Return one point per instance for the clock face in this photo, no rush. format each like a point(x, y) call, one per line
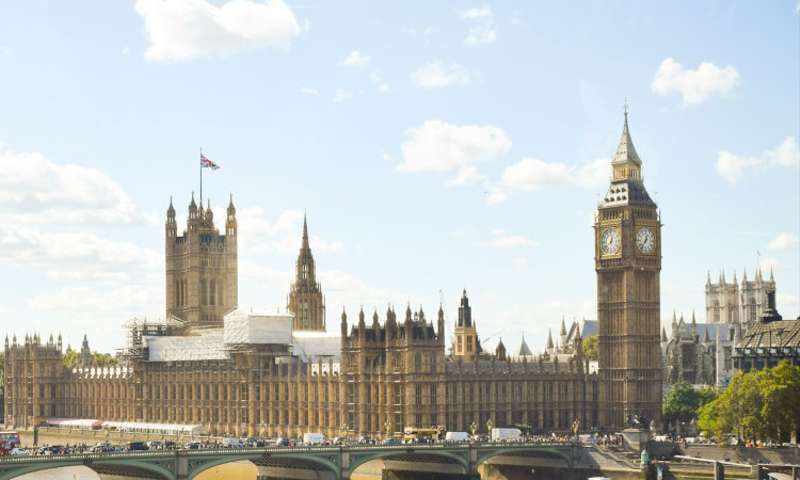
point(609, 241)
point(646, 240)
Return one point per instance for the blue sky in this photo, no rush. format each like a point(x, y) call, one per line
point(435, 146)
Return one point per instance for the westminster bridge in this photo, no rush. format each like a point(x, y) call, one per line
point(323, 462)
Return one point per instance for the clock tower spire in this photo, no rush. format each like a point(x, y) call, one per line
point(628, 265)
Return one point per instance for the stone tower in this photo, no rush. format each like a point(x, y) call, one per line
point(754, 297)
point(86, 353)
point(466, 341)
point(628, 264)
point(737, 304)
point(34, 381)
point(306, 302)
point(201, 268)
point(722, 300)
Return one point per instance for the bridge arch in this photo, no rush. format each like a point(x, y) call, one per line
point(552, 453)
point(121, 465)
point(399, 453)
point(259, 457)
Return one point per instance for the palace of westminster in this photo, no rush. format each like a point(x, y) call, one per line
point(236, 372)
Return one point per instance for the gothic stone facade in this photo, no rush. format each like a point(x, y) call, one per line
point(389, 374)
point(628, 265)
point(740, 305)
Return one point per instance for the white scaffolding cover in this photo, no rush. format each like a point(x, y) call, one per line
point(256, 328)
point(207, 346)
point(312, 345)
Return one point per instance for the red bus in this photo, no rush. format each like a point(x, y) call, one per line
point(8, 441)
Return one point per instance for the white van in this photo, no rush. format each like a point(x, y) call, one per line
point(456, 437)
point(232, 442)
point(313, 438)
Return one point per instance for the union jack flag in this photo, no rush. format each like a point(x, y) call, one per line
point(206, 163)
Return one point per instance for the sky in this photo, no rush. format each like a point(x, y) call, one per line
point(434, 146)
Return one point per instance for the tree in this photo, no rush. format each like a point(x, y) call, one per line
point(72, 359)
point(683, 402)
point(758, 405)
point(590, 348)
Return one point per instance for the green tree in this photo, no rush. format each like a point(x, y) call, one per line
point(72, 359)
point(759, 405)
point(683, 402)
point(590, 349)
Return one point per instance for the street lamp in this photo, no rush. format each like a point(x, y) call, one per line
point(387, 426)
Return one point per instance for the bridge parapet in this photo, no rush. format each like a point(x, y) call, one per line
point(341, 462)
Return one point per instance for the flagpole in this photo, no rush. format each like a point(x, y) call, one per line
point(201, 176)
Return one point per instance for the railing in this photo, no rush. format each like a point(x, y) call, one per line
point(263, 450)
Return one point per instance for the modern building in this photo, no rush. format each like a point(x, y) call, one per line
point(235, 372)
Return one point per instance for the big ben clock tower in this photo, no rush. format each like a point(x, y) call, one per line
point(628, 263)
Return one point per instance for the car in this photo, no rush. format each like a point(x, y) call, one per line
point(19, 452)
point(390, 441)
point(281, 442)
point(193, 445)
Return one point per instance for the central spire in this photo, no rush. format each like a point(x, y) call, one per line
point(626, 153)
point(305, 233)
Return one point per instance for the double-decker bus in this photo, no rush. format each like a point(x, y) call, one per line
point(8, 441)
point(427, 435)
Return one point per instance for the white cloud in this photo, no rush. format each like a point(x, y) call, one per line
point(465, 176)
point(257, 234)
point(379, 82)
point(438, 146)
point(342, 95)
point(36, 190)
point(438, 75)
point(783, 241)
point(482, 26)
point(731, 166)
point(309, 91)
point(134, 299)
point(6, 51)
point(75, 255)
point(695, 86)
point(355, 59)
point(531, 174)
point(187, 29)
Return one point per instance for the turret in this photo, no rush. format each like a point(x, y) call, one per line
point(209, 216)
point(230, 221)
point(344, 324)
point(664, 338)
point(361, 323)
point(500, 351)
point(464, 311)
point(86, 353)
point(193, 219)
point(171, 226)
point(440, 324)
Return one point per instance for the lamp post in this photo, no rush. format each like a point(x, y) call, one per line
point(387, 426)
point(576, 427)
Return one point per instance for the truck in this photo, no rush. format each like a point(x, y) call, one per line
point(313, 438)
point(506, 434)
point(456, 437)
